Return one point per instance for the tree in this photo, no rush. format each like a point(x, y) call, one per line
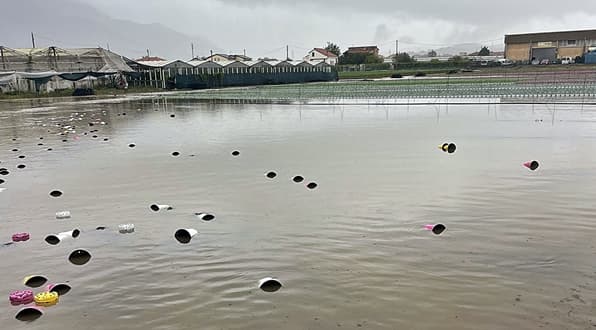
point(403, 58)
point(458, 60)
point(484, 51)
point(432, 53)
point(333, 48)
point(370, 59)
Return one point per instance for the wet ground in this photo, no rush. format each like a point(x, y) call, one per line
point(518, 252)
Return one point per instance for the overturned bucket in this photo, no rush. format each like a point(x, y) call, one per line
point(184, 236)
point(437, 229)
point(29, 314)
point(55, 239)
point(269, 284)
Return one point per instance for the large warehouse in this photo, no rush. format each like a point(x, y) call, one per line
point(548, 45)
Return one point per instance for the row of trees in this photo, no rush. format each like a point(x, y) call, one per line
point(404, 57)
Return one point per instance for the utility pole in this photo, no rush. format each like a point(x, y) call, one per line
point(244, 51)
point(211, 57)
point(147, 52)
point(287, 53)
point(33, 39)
point(4, 64)
point(396, 54)
point(192, 50)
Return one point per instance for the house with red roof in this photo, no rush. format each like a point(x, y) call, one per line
point(321, 54)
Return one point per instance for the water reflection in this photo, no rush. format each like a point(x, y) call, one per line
point(518, 252)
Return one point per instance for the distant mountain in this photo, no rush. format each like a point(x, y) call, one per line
point(465, 48)
point(68, 24)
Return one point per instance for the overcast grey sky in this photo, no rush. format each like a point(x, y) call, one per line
point(261, 26)
point(264, 27)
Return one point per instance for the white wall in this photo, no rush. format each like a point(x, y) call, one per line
point(320, 57)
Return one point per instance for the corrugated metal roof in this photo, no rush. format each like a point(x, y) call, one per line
point(67, 60)
point(550, 36)
point(161, 64)
point(234, 64)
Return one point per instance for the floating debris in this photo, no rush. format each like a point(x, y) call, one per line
point(4, 172)
point(132, 145)
point(235, 153)
point(2, 181)
point(298, 179)
point(79, 257)
point(126, 228)
point(205, 216)
point(21, 157)
point(20, 237)
point(100, 228)
point(21, 166)
point(55, 239)
point(21, 297)
point(172, 116)
point(532, 165)
point(46, 299)
point(60, 288)
point(158, 208)
point(35, 281)
point(50, 149)
point(448, 147)
point(312, 185)
point(437, 229)
point(269, 284)
point(184, 236)
point(63, 215)
point(271, 175)
point(56, 193)
point(29, 314)
point(175, 154)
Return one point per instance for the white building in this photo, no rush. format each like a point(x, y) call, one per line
point(320, 54)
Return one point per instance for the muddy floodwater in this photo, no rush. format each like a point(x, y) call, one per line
point(351, 250)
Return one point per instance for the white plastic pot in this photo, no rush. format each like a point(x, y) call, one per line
point(159, 208)
point(184, 236)
point(269, 284)
point(55, 239)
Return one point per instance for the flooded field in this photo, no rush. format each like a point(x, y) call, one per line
point(518, 251)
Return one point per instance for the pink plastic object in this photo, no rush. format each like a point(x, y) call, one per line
point(20, 237)
point(21, 297)
point(437, 229)
point(532, 165)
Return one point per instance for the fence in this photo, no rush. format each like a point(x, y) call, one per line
point(522, 88)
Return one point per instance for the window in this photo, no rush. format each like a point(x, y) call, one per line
point(313, 54)
point(571, 42)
